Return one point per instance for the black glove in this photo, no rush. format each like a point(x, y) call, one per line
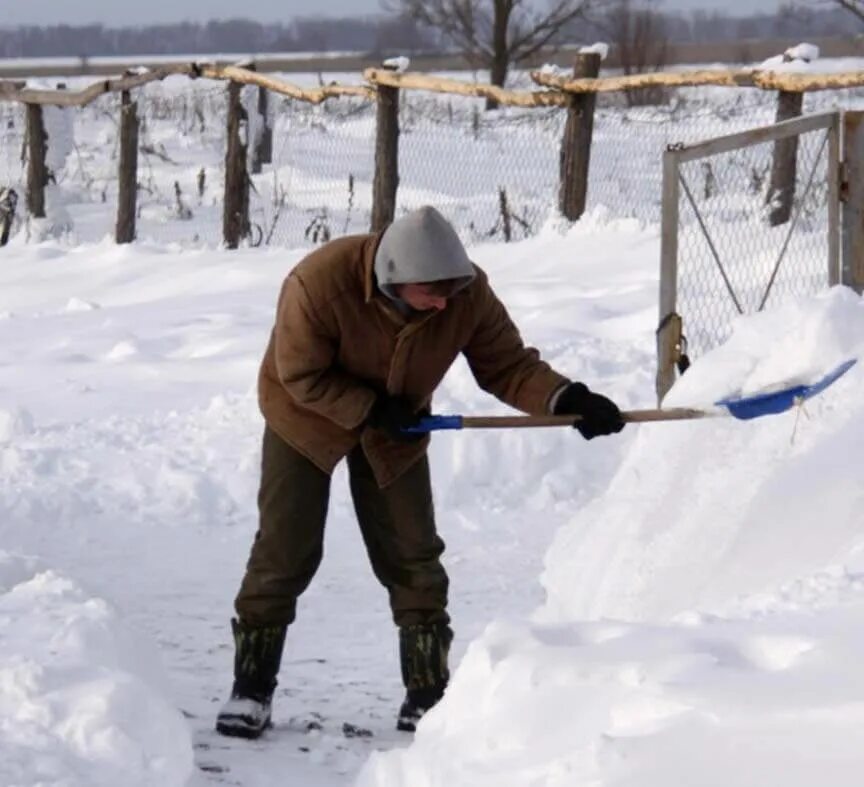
point(599, 414)
point(392, 414)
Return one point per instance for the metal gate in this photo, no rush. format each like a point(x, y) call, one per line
point(749, 220)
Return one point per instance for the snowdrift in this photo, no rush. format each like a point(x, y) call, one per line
point(702, 512)
point(81, 701)
point(703, 614)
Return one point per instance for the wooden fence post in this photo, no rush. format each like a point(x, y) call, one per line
point(8, 206)
point(504, 210)
point(127, 177)
point(781, 191)
point(669, 323)
point(852, 190)
point(263, 153)
point(386, 180)
point(235, 212)
point(576, 143)
point(37, 171)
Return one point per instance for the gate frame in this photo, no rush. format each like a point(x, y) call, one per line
point(670, 349)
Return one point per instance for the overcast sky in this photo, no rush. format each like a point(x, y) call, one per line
point(114, 13)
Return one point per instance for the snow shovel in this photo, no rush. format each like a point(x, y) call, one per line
point(743, 408)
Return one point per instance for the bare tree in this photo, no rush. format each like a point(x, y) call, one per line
point(807, 11)
point(494, 34)
point(638, 32)
point(854, 6)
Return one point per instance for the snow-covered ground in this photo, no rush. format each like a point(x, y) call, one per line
point(679, 604)
point(703, 617)
point(129, 451)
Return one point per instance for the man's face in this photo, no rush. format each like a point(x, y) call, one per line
point(421, 297)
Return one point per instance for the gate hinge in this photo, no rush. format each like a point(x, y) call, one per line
point(843, 184)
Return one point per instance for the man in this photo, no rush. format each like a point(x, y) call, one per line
point(366, 328)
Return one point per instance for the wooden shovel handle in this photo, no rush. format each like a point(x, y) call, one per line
point(630, 416)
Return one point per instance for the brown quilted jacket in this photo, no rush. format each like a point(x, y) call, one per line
point(338, 342)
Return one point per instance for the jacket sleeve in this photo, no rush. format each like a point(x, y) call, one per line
point(305, 355)
point(503, 365)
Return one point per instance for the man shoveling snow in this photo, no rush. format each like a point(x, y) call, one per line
point(366, 328)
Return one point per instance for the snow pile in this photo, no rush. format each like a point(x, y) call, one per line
point(708, 522)
point(709, 702)
point(78, 305)
point(796, 59)
point(80, 701)
point(704, 614)
point(14, 423)
point(598, 48)
point(552, 70)
point(399, 64)
point(807, 52)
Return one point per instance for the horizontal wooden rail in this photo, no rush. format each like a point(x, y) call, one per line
point(766, 80)
point(554, 96)
point(515, 98)
point(16, 91)
point(310, 95)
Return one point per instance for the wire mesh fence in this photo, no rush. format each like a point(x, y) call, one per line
point(319, 184)
point(181, 171)
point(494, 174)
point(738, 251)
point(12, 136)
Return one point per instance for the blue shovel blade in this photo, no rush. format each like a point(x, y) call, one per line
point(747, 407)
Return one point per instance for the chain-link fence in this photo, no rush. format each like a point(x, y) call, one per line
point(12, 123)
point(494, 174)
point(749, 220)
point(731, 260)
point(319, 184)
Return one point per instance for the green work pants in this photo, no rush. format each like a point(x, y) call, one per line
point(397, 524)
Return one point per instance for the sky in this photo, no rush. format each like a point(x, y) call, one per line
point(112, 13)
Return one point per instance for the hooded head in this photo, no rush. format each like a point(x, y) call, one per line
point(421, 248)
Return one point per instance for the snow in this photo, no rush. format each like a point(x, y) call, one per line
point(551, 69)
point(688, 607)
point(599, 48)
point(80, 696)
point(61, 136)
point(679, 604)
point(399, 64)
point(797, 59)
point(806, 52)
point(15, 423)
point(702, 614)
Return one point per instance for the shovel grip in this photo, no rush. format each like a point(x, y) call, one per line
point(436, 423)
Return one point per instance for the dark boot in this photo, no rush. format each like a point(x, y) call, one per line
point(423, 653)
point(257, 655)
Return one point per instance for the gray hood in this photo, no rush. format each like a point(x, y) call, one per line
point(420, 247)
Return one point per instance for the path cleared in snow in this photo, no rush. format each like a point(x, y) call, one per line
point(129, 448)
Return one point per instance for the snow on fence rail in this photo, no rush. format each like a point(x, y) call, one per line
point(370, 176)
